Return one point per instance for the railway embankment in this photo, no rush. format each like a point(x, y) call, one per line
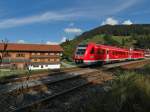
point(128, 92)
point(118, 89)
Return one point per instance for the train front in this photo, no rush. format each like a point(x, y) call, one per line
point(79, 54)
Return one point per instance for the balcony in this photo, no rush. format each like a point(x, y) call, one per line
point(8, 60)
point(44, 56)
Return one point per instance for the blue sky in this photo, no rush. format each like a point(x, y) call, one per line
point(53, 21)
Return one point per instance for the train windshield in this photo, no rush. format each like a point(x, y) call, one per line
point(81, 49)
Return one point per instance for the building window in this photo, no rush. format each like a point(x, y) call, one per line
point(20, 55)
point(33, 53)
point(57, 60)
point(51, 53)
point(58, 54)
point(42, 54)
point(6, 54)
point(52, 60)
point(34, 59)
point(42, 60)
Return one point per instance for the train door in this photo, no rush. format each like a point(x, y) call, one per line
point(130, 53)
point(98, 54)
point(107, 55)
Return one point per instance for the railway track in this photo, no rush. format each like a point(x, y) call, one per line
point(53, 90)
point(24, 97)
point(23, 83)
point(40, 75)
point(16, 86)
point(133, 62)
point(61, 71)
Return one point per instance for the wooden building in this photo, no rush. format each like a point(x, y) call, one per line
point(31, 56)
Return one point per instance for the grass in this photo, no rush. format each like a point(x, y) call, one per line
point(69, 62)
point(130, 92)
point(8, 73)
point(117, 39)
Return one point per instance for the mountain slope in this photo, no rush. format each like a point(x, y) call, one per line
point(118, 30)
point(137, 35)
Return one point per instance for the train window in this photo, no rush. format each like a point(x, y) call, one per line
point(118, 53)
point(80, 51)
point(103, 51)
point(100, 51)
point(114, 53)
point(92, 51)
point(110, 52)
point(107, 52)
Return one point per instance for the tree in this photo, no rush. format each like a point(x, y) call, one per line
point(5, 44)
point(108, 40)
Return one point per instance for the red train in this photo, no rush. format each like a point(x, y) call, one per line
point(96, 53)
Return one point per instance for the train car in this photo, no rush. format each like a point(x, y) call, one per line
point(96, 53)
point(147, 53)
point(137, 54)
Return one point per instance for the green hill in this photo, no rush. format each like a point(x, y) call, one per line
point(137, 36)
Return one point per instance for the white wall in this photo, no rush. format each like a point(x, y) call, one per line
point(52, 66)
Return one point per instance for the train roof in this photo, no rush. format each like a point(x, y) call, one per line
point(137, 51)
point(111, 47)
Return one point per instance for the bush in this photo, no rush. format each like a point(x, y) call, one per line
point(130, 93)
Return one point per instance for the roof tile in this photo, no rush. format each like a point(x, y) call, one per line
point(30, 47)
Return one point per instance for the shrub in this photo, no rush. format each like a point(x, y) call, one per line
point(130, 93)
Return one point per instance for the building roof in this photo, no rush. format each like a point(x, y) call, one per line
point(30, 47)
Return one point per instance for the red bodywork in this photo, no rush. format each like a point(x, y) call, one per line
point(94, 53)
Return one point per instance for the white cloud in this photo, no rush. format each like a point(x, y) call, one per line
point(51, 43)
point(48, 16)
point(73, 30)
point(127, 22)
point(21, 41)
point(56, 43)
point(83, 10)
point(63, 39)
point(110, 21)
